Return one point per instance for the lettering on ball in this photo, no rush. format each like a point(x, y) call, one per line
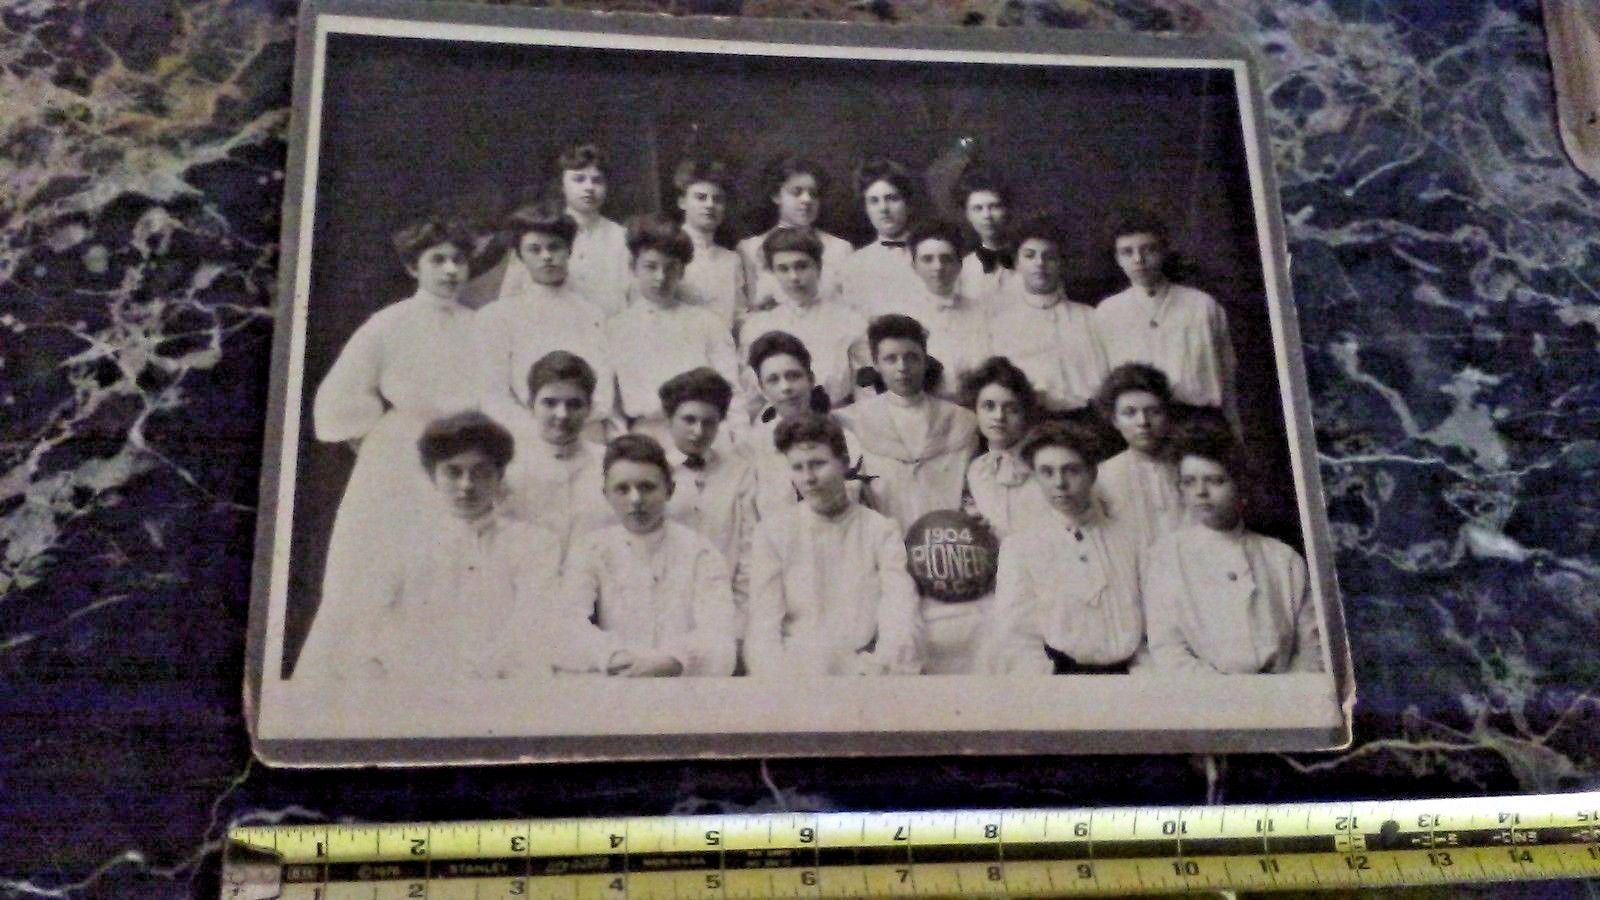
point(952, 563)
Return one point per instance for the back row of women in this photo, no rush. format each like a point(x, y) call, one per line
point(652, 337)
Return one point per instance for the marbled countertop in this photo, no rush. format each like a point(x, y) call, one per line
point(1446, 264)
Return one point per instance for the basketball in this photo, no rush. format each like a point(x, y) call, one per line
point(953, 556)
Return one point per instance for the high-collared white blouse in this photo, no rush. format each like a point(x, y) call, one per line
point(913, 473)
point(1142, 491)
point(1229, 601)
point(561, 489)
point(663, 592)
point(421, 354)
point(718, 501)
point(1181, 331)
point(651, 343)
point(454, 600)
point(714, 280)
point(517, 331)
point(823, 589)
point(1053, 340)
point(1072, 585)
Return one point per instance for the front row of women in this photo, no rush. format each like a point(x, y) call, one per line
point(536, 557)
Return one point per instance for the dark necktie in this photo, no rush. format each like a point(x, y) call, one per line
point(694, 462)
point(894, 245)
point(992, 258)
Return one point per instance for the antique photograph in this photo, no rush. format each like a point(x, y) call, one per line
point(653, 388)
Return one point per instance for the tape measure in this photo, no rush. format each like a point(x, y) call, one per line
point(998, 853)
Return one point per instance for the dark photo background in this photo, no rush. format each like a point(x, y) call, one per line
point(413, 127)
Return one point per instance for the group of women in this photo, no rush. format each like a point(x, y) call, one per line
point(1006, 352)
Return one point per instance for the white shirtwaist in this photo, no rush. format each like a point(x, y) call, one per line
point(517, 331)
point(601, 267)
point(410, 363)
point(878, 278)
point(1142, 491)
point(913, 474)
point(718, 502)
point(1071, 585)
point(774, 488)
point(1002, 491)
point(958, 331)
point(918, 454)
point(1052, 340)
point(1000, 488)
point(714, 280)
point(824, 589)
point(763, 285)
point(1181, 331)
point(563, 493)
point(663, 592)
point(828, 329)
point(454, 601)
point(1231, 602)
point(651, 344)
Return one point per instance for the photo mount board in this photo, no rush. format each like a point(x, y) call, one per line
point(427, 723)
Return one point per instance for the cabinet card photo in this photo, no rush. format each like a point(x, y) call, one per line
point(649, 387)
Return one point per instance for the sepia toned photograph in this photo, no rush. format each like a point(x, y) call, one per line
point(647, 388)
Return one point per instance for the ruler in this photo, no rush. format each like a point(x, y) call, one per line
point(993, 853)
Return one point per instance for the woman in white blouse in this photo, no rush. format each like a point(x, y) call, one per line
point(714, 280)
point(1140, 484)
point(647, 597)
point(549, 313)
point(658, 335)
point(1182, 331)
point(467, 593)
point(1067, 593)
point(408, 364)
point(555, 481)
point(1221, 598)
point(998, 484)
point(795, 187)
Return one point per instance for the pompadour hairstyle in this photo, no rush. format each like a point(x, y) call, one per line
point(637, 448)
point(778, 343)
point(1074, 435)
point(410, 241)
point(581, 156)
point(691, 172)
point(463, 431)
point(1204, 432)
point(812, 428)
point(791, 240)
point(542, 218)
point(1140, 221)
point(703, 384)
point(1002, 371)
point(1131, 377)
point(559, 365)
point(653, 231)
point(875, 169)
point(979, 178)
point(784, 168)
point(895, 326)
point(935, 231)
point(1043, 228)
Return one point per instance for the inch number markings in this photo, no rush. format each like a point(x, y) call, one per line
point(1002, 852)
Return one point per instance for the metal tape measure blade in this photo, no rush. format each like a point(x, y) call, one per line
point(1071, 852)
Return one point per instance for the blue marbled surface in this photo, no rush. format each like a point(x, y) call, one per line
point(1446, 264)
